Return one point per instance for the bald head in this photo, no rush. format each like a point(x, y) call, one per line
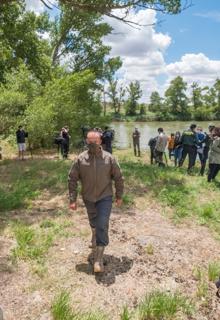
point(93, 137)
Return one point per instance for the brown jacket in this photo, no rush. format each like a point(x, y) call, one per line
point(95, 171)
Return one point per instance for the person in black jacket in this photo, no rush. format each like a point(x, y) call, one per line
point(189, 142)
point(65, 142)
point(107, 138)
point(20, 137)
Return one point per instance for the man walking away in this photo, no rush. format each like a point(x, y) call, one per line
point(189, 141)
point(214, 156)
point(20, 137)
point(136, 142)
point(160, 147)
point(96, 168)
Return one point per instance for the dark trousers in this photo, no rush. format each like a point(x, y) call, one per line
point(99, 214)
point(64, 149)
point(152, 155)
point(203, 159)
point(159, 158)
point(137, 148)
point(191, 151)
point(214, 168)
point(177, 155)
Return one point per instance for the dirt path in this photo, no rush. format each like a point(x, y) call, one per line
point(130, 273)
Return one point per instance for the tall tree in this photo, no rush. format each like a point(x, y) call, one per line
point(217, 90)
point(21, 40)
point(79, 34)
point(107, 7)
point(196, 96)
point(116, 94)
point(155, 104)
point(134, 94)
point(176, 98)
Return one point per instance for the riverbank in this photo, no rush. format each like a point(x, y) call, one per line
point(164, 244)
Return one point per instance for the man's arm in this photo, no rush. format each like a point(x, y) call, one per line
point(73, 179)
point(118, 178)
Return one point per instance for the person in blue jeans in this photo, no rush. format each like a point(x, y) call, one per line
point(96, 168)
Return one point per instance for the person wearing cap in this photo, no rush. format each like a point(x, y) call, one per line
point(136, 142)
point(189, 141)
point(96, 168)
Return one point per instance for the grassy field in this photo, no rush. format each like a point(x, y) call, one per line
point(180, 196)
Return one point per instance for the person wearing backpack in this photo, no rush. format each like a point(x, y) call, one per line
point(107, 138)
point(152, 144)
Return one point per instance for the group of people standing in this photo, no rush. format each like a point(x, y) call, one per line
point(192, 142)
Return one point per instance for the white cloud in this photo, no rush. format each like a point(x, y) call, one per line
point(195, 67)
point(141, 49)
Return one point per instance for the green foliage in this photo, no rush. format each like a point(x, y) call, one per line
point(12, 107)
point(155, 104)
point(20, 40)
point(20, 88)
point(135, 93)
point(176, 98)
point(66, 101)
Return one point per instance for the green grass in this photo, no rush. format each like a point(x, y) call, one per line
point(213, 270)
point(162, 305)
point(24, 181)
point(31, 243)
point(155, 306)
point(159, 305)
point(126, 314)
point(187, 196)
point(34, 242)
point(62, 310)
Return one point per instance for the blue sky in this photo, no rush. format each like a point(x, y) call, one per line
point(185, 45)
point(196, 29)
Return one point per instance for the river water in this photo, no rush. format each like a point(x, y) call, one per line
point(123, 130)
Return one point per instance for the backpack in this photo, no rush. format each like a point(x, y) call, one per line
point(152, 143)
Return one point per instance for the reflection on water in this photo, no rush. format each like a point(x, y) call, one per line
point(123, 130)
